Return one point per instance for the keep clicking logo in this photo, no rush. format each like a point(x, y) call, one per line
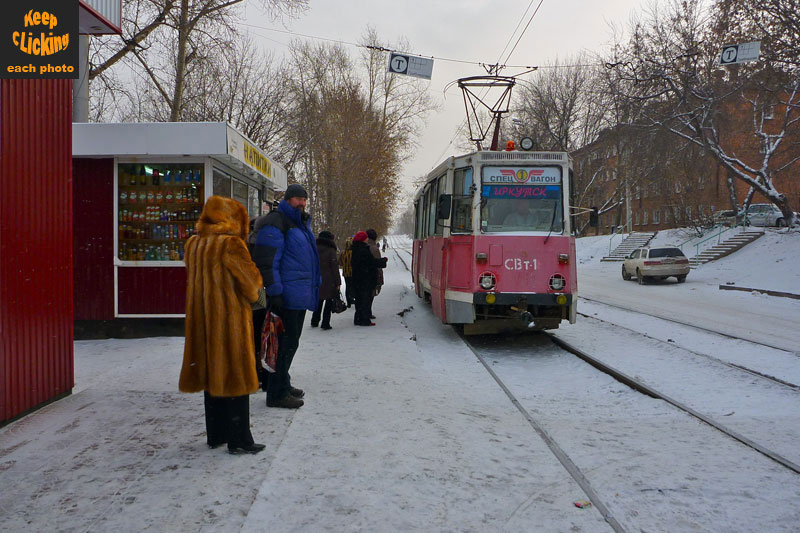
point(38, 39)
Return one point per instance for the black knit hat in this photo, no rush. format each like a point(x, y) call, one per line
point(326, 235)
point(372, 234)
point(295, 190)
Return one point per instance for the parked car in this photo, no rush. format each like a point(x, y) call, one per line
point(657, 263)
point(728, 217)
point(765, 215)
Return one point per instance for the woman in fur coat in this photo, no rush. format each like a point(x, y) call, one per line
point(331, 280)
point(222, 282)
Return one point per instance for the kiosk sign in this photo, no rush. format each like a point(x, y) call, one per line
point(39, 39)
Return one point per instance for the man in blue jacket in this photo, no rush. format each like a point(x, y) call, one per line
point(285, 252)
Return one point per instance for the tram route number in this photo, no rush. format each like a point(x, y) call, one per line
point(515, 263)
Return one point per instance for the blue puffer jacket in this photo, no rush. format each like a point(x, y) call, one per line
point(285, 252)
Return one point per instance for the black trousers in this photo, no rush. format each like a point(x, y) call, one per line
point(364, 297)
point(324, 308)
point(227, 420)
point(258, 323)
point(279, 382)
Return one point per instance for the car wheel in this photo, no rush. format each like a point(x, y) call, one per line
point(625, 275)
point(681, 279)
point(639, 277)
point(780, 223)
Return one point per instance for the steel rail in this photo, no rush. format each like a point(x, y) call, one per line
point(750, 371)
point(653, 393)
point(560, 454)
point(695, 326)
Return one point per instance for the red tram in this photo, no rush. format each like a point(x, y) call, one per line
point(493, 247)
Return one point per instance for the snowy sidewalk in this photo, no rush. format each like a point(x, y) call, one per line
point(395, 435)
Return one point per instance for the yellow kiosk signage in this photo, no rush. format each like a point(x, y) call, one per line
point(257, 160)
point(39, 39)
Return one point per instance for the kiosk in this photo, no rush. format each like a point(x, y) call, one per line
point(138, 192)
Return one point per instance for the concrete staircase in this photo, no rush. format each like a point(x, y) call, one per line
point(726, 247)
point(630, 243)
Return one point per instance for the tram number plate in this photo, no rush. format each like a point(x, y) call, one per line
point(520, 264)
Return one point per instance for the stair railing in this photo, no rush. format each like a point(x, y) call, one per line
point(619, 231)
point(715, 235)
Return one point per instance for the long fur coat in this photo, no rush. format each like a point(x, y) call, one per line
point(222, 281)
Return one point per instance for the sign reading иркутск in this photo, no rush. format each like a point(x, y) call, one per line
point(39, 39)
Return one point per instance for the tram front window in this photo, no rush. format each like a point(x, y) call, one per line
point(502, 213)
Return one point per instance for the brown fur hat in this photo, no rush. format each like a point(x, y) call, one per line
point(223, 216)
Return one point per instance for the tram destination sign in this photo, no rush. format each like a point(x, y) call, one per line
point(740, 53)
point(522, 175)
point(419, 67)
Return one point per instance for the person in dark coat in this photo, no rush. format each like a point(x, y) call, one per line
point(372, 241)
point(286, 254)
point(365, 278)
point(331, 280)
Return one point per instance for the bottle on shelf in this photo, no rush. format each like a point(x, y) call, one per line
point(156, 177)
point(178, 178)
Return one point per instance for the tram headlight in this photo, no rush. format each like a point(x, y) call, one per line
point(557, 282)
point(487, 281)
point(491, 298)
point(561, 299)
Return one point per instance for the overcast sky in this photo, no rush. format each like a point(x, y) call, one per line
point(470, 30)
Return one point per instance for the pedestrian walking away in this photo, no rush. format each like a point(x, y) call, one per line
point(222, 282)
point(331, 280)
point(365, 278)
point(285, 252)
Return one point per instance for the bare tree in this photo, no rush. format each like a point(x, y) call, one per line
point(164, 39)
point(670, 66)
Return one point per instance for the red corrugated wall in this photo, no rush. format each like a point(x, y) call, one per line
point(36, 351)
point(93, 208)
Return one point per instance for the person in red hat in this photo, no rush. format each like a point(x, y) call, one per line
point(365, 277)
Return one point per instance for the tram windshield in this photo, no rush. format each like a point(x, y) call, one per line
point(521, 199)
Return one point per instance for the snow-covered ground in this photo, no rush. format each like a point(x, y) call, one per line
point(403, 428)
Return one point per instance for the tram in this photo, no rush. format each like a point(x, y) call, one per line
point(493, 249)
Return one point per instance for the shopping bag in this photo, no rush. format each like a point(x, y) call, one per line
point(261, 303)
point(339, 306)
point(273, 326)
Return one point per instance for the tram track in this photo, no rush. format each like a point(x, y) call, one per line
point(742, 368)
point(579, 474)
point(571, 448)
point(688, 324)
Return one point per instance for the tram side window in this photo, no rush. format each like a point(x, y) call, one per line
point(432, 201)
point(440, 189)
point(462, 201)
point(425, 208)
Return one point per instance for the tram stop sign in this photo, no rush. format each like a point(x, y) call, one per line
point(419, 67)
point(740, 53)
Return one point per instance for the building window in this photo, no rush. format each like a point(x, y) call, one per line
point(656, 216)
point(636, 218)
point(769, 112)
point(644, 217)
point(678, 187)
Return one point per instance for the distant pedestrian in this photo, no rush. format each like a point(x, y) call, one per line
point(331, 280)
point(385, 245)
point(345, 263)
point(365, 278)
point(286, 254)
point(218, 352)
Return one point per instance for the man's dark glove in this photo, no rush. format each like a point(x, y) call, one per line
point(383, 262)
point(276, 304)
